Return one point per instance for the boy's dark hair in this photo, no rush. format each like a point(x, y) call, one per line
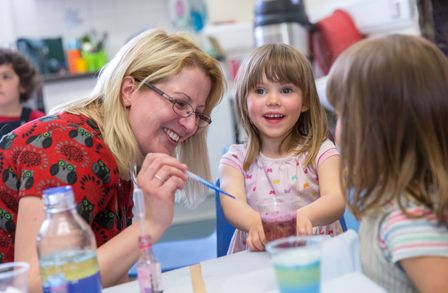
point(24, 69)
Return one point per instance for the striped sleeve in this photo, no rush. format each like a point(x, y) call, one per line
point(402, 237)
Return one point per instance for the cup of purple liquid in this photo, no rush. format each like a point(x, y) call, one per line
point(278, 215)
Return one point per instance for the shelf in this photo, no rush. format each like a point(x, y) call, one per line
point(48, 78)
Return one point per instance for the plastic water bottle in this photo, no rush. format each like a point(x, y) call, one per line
point(66, 246)
point(149, 273)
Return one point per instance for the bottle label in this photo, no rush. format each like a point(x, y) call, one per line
point(157, 278)
point(78, 276)
point(58, 284)
point(144, 279)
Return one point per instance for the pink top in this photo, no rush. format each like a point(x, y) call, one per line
point(274, 177)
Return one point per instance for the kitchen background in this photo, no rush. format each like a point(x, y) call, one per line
point(110, 23)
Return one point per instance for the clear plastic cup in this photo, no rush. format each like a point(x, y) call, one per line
point(296, 262)
point(14, 277)
point(278, 215)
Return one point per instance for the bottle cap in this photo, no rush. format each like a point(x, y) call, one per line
point(58, 198)
point(144, 241)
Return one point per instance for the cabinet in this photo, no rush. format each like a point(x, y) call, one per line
point(62, 89)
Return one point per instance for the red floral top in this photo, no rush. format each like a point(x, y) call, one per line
point(63, 149)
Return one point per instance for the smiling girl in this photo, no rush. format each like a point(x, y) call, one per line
point(287, 153)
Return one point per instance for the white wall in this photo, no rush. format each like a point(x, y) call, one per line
point(71, 19)
point(231, 10)
point(7, 32)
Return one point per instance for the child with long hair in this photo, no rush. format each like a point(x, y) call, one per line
point(288, 151)
point(390, 95)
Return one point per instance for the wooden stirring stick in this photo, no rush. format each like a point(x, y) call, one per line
point(197, 280)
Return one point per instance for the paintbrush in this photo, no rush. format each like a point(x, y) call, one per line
point(208, 184)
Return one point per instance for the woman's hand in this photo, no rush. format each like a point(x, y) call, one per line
point(256, 240)
point(159, 178)
point(304, 225)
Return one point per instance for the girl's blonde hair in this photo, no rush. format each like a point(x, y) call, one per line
point(282, 63)
point(151, 56)
point(391, 95)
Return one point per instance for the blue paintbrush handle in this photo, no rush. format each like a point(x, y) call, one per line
point(208, 184)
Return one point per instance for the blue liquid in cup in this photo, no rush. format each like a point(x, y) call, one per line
point(297, 271)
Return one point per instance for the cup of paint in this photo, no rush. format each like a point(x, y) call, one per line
point(278, 216)
point(296, 262)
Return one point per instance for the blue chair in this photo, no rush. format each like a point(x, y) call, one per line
point(343, 223)
point(181, 253)
point(176, 252)
point(349, 220)
point(224, 230)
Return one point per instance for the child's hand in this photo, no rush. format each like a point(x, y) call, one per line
point(304, 225)
point(256, 239)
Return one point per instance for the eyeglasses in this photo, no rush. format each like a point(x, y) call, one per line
point(180, 107)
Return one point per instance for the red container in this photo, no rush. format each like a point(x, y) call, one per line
point(73, 55)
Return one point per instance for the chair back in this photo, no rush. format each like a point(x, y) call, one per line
point(350, 221)
point(343, 223)
point(224, 230)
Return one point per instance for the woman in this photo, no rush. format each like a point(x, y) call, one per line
point(152, 102)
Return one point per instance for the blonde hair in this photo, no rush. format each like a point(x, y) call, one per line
point(391, 95)
point(151, 56)
point(282, 63)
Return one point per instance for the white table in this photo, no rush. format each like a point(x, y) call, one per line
point(246, 272)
